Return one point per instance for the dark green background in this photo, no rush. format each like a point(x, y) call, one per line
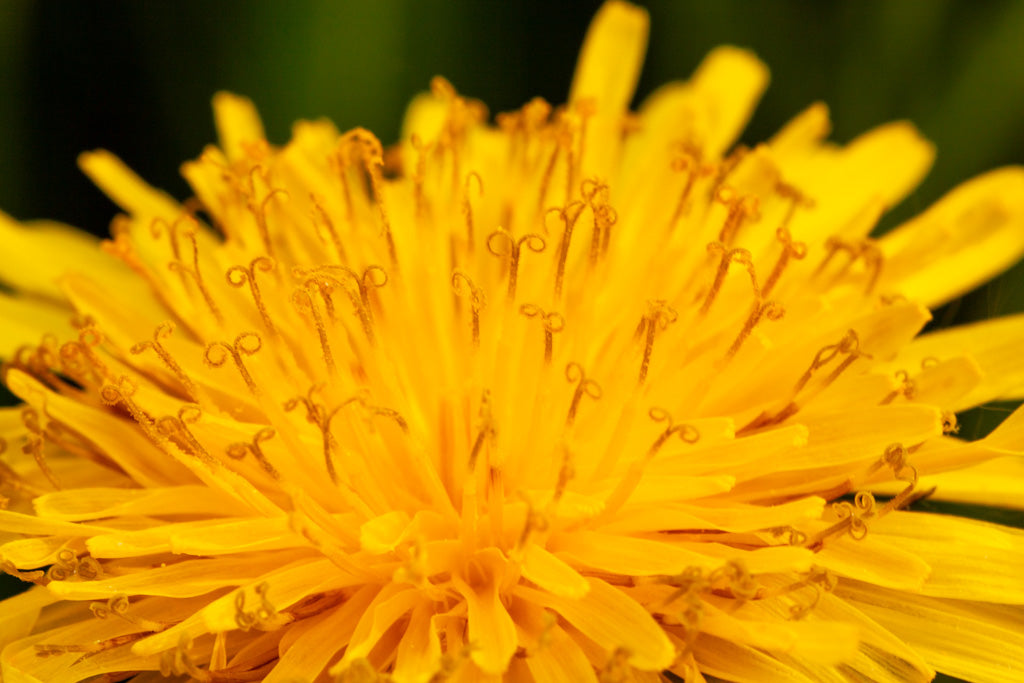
point(136, 77)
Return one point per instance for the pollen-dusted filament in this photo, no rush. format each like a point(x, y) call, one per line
point(551, 321)
point(463, 286)
point(584, 386)
point(239, 450)
point(238, 276)
point(627, 484)
point(534, 242)
point(245, 344)
point(659, 316)
point(163, 331)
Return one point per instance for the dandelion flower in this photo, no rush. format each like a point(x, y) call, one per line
point(584, 394)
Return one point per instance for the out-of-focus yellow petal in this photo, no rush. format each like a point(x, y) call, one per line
point(970, 640)
point(125, 187)
point(995, 483)
point(560, 659)
point(419, 653)
point(969, 560)
point(552, 574)
point(45, 251)
point(26, 321)
point(606, 74)
point(994, 345)
point(309, 647)
point(613, 620)
point(971, 234)
point(492, 632)
point(238, 124)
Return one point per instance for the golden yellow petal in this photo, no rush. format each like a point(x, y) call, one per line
point(994, 345)
point(969, 559)
point(606, 74)
point(612, 620)
point(970, 640)
point(238, 124)
point(27, 321)
point(46, 250)
point(125, 188)
point(967, 237)
point(552, 574)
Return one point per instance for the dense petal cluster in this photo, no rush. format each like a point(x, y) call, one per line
point(582, 395)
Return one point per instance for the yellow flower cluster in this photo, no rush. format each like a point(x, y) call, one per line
point(583, 395)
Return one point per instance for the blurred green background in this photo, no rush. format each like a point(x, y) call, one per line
point(136, 77)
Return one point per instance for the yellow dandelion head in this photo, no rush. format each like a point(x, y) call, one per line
point(581, 394)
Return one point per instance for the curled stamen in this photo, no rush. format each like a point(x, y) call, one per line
point(949, 423)
point(761, 310)
point(245, 344)
point(163, 331)
point(258, 616)
point(463, 286)
point(488, 430)
point(584, 385)
point(534, 242)
point(36, 444)
point(595, 194)
point(790, 249)
point(238, 276)
point(631, 479)
point(467, 207)
point(193, 272)
point(866, 250)
point(303, 300)
point(175, 428)
point(849, 346)
point(121, 393)
point(852, 519)
point(69, 565)
point(741, 208)
point(688, 161)
point(907, 388)
point(117, 606)
point(371, 154)
point(569, 214)
point(239, 450)
point(728, 257)
point(317, 414)
point(822, 581)
point(552, 323)
point(740, 581)
point(332, 233)
point(659, 316)
point(797, 199)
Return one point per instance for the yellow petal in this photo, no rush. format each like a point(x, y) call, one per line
point(238, 124)
point(46, 250)
point(803, 132)
point(83, 504)
point(728, 83)
point(125, 188)
point(994, 345)
point(607, 73)
point(968, 236)
point(27, 321)
point(974, 641)
point(736, 662)
point(969, 560)
point(419, 654)
point(391, 603)
point(876, 560)
point(492, 633)
point(613, 620)
point(625, 554)
point(995, 483)
point(552, 574)
point(313, 642)
point(560, 659)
